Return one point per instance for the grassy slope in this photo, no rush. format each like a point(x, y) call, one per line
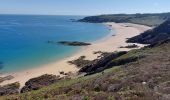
point(145, 79)
point(158, 34)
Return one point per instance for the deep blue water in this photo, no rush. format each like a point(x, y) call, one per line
point(23, 39)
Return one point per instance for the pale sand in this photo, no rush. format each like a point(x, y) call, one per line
point(108, 44)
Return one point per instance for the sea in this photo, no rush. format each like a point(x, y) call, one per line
point(23, 39)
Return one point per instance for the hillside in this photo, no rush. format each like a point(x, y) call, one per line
point(145, 79)
point(160, 33)
point(144, 19)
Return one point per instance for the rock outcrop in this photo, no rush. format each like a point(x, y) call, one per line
point(9, 77)
point(9, 89)
point(80, 62)
point(158, 34)
point(100, 64)
point(130, 46)
point(39, 82)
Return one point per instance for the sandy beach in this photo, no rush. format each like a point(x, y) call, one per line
point(107, 44)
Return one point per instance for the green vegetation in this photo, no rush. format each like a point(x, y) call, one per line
point(144, 19)
point(145, 79)
point(158, 34)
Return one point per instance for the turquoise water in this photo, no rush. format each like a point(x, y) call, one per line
point(23, 39)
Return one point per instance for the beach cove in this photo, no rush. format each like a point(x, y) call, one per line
point(110, 43)
point(24, 39)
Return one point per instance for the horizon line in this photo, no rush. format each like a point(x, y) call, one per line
point(79, 15)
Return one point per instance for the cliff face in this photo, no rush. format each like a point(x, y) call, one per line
point(160, 33)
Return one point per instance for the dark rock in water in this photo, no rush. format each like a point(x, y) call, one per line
point(69, 43)
point(10, 89)
point(100, 64)
point(73, 20)
point(52, 42)
point(39, 82)
point(160, 33)
point(74, 43)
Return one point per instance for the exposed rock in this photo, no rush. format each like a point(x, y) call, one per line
point(100, 64)
point(80, 62)
point(130, 46)
point(39, 82)
point(10, 89)
point(74, 43)
point(158, 34)
point(70, 43)
point(123, 61)
point(73, 20)
point(159, 43)
point(9, 77)
point(102, 54)
point(69, 74)
point(62, 72)
point(108, 60)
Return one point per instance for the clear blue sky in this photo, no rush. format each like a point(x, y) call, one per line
point(83, 7)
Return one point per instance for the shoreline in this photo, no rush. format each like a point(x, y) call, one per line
point(108, 43)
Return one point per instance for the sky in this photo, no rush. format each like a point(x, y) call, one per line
point(83, 7)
